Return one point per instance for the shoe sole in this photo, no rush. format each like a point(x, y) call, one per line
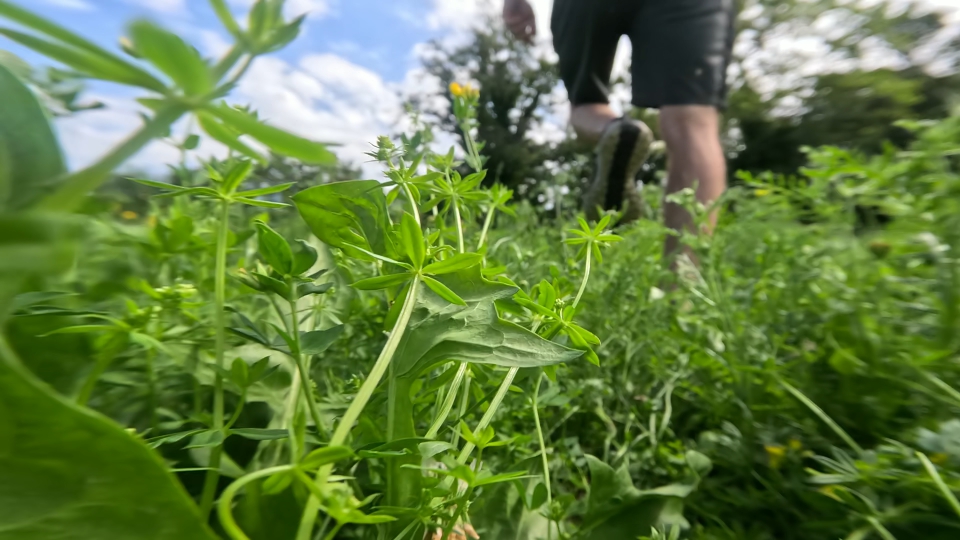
point(621, 152)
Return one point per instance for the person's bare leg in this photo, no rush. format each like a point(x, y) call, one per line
point(589, 120)
point(695, 156)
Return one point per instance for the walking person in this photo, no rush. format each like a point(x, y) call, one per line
point(681, 49)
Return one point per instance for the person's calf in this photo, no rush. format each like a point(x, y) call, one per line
point(695, 160)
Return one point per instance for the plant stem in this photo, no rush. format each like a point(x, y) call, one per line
point(220, 321)
point(73, 189)
point(491, 411)
point(486, 226)
point(464, 403)
point(224, 505)
point(448, 401)
point(413, 203)
point(456, 215)
point(359, 402)
point(583, 284)
point(301, 363)
point(543, 449)
point(938, 480)
point(334, 531)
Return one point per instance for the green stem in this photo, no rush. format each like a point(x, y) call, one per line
point(881, 530)
point(105, 358)
point(491, 411)
point(586, 276)
point(938, 480)
point(543, 449)
point(225, 504)
point(74, 188)
point(334, 531)
point(413, 202)
point(350, 417)
point(301, 363)
point(448, 402)
point(220, 321)
point(486, 226)
point(464, 403)
point(456, 215)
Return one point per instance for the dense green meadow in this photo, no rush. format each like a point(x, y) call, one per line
point(226, 354)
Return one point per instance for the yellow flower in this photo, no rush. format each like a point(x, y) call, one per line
point(939, 458)
point(795, 445)
point(463, 90)
point(775, 453)
point(761, 192)
point(128, 214)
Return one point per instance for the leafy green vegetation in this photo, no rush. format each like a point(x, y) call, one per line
point(395, 358)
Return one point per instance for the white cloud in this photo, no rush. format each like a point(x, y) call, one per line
point(79, 5)
point(324, 97)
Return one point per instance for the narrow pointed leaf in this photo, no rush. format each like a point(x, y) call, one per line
point(458, 262)
point(278, 140)
point(443, 291)
point(382, 282)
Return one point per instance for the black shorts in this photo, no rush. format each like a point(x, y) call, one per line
point(681, 48)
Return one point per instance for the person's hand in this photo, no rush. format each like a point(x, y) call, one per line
point(465, 533)
point(520, 19)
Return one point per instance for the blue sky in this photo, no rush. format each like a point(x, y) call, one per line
point(340, 81)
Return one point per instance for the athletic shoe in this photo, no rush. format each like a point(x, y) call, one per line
point(623, 147)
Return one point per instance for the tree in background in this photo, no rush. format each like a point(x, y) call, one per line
point(872, 66)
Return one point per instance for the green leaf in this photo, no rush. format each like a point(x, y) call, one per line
point(67, 472)
point(382, 282)
point(443, 291)
point(236, 176)
point(260, 434)
point(77, 59)
point(274, 249)
point(411, 238)
point(304, 257)
point(279, 141)
point(240, 373)
point(30, 157)
point(616, 509)
point(172, 56)
point(498, 478)
point(460, 261)
point(324, 456)
point(318, 341)
point(432, 448)
point(439, 331)
point(266, 191)
point(59, 33)
point(226, 136)
point(262, 204)
point(191, 142)
point(351, 216)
